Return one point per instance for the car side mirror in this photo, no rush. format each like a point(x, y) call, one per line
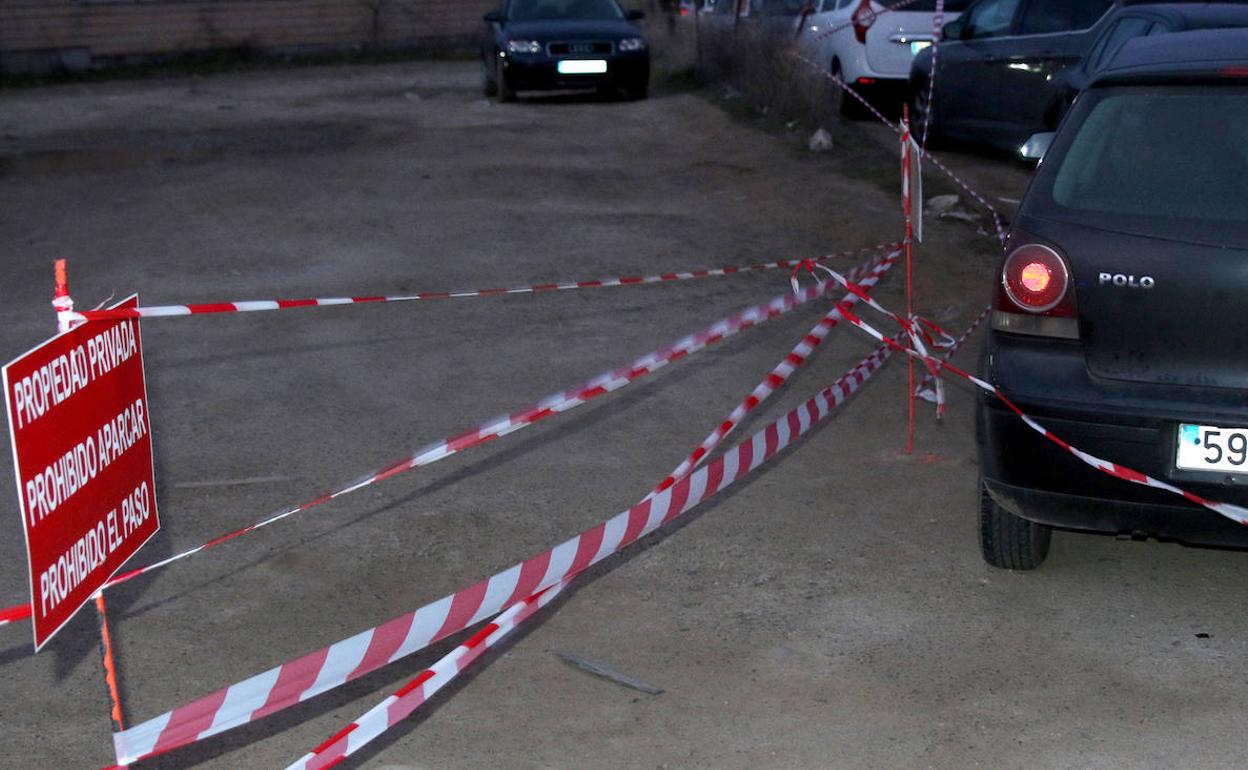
point(634, 15)
point(1036, 146)
point(494, 16)
point(952, 31)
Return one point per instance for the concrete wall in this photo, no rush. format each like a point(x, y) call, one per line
point(49, 35)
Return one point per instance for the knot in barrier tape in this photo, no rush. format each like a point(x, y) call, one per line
point(926, 389)
point(809, 266)
point(913, 327)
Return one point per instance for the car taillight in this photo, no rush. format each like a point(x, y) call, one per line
point(1035, 295)
point(863, 18)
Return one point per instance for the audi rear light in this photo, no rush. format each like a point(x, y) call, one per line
point(1035, 295)
point(862, 19)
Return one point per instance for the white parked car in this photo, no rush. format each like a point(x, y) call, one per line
point(872, 46)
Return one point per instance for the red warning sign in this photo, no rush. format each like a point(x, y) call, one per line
point(82, 449)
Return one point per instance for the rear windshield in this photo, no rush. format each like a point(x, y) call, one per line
point(1165, 161)
point(545, 10)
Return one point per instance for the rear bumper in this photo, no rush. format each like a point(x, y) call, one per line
point(1093, 514)
point(1038, 480)
point(541, 74)
point(881, 87)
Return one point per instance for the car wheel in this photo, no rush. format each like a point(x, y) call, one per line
point(920, 109)
point(1008, 541)
point(842, 102)
point(639, 90)
point(505, 92)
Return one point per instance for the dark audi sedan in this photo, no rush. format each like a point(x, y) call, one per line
point(1119, 319)
point(554, 44)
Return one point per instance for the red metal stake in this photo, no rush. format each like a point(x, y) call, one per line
point(905, 206)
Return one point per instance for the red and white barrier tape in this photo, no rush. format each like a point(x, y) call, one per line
point(325, 669)
point(505, 424)
point(288, 304)
point(920, 331)
point(938, 24)
point(927, 156)
point(13, 614)
point(996, 215)
point(1236, 513)
point(925, 389)
point(777, 377)
point(411, 696)
point(398, 706)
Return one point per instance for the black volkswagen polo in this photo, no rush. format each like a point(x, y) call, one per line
point(1119, 320)
point(553, 44)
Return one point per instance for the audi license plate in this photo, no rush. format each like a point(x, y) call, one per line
point(1211, 448)
point(582, 66)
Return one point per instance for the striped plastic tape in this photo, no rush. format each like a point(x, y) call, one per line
point(318, 672)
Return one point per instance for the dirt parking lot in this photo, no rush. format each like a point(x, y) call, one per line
point(831, 611)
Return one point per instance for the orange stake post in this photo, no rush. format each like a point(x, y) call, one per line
point(110, 669)
point(62, 303)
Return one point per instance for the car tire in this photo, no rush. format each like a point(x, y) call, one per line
point(639, 90)
point(842, 102)
point(1009, 541)
point(505, 92)
point(920, 96)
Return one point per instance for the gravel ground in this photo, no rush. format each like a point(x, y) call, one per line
point(832, 611)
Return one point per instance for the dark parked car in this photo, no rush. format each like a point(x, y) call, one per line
point(996, 68)
point(552, 44)
point(1118, 320)
point(1134, 21)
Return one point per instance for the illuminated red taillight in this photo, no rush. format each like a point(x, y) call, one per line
point(863, 18)
point(1035, 278)
point(1035, 295)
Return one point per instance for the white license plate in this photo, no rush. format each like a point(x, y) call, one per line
point(1211, 448)
point(582, 67)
